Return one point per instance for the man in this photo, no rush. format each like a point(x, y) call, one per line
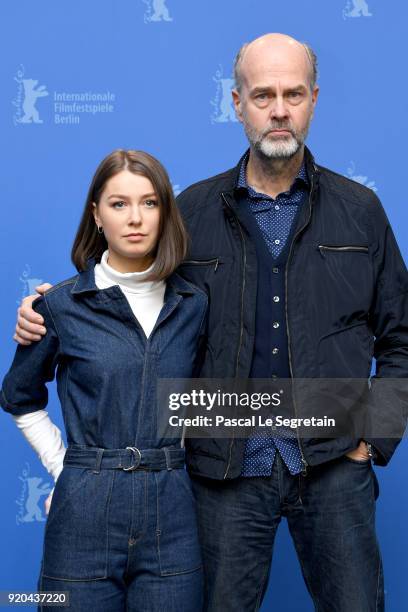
point(302, 272)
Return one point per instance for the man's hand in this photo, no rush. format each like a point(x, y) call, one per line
point(30, 324)
point(360, 453)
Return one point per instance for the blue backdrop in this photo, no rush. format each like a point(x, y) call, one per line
point(82, 78)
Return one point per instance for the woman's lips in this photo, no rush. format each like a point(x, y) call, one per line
point(135, 237)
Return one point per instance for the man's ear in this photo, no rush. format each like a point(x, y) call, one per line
point(315, 95)
point(236, 99)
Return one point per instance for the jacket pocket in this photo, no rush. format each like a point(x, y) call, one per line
point(76, 533)
point(357, 461)
point(344, 284)
point(214, 276)
point(212, 262)
point(347, 248)
point(178, 547)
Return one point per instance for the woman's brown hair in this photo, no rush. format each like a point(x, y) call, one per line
point(172, 239)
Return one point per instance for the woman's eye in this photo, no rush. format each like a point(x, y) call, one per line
point(151, 203)
point(119, 205)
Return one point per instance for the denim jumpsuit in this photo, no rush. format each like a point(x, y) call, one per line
point(121, 533)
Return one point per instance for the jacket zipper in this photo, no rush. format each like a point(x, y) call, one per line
point(202, 262)
point(242, 316)
point(304, 462)
point(346, 248)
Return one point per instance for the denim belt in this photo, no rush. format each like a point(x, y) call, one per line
point(127, 459)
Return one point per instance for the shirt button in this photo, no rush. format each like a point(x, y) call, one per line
point(274, 376)
point(276, 298)
point(275, 351)
point(276, 324)
point(277, 241)
point(277, 207)
point(275, 270)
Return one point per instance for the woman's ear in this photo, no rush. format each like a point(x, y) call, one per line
point(95, 214)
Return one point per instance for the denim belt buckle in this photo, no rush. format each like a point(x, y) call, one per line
point(137, 456)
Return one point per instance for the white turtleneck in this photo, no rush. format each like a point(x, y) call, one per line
point(145, 297)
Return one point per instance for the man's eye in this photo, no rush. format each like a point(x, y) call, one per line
point(119, 204)
point(151, 203)
point(261, 96)
point(294, 94)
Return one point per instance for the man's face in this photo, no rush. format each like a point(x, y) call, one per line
point(276, 103)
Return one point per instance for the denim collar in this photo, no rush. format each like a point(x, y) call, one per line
point(85, 282)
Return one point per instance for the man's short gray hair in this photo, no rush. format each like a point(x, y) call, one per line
point(310, 54)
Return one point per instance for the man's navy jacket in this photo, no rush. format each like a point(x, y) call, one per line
point(346, 298)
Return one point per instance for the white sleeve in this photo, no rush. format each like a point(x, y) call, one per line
point(45, 438)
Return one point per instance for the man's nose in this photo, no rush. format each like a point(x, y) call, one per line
point(279, 109)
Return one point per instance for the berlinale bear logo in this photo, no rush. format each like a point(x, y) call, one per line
point(29, 283)
point(28, 501)
point(31, 94)
point(356, 8)
point(360, 178)
point(156, 11)
point(222, 102)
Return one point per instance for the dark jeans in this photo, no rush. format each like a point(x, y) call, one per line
point(331, 518)
point(120, 540)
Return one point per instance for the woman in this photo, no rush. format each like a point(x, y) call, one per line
point(121, 532)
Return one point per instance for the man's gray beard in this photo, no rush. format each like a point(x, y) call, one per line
point(283, 148)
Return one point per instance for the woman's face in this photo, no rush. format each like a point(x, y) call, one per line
point(129, 214)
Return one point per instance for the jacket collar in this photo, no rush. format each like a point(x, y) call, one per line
point(181, 286)
point(311, 170)
point(85, 282)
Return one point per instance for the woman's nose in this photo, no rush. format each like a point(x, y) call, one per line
point(135, 214)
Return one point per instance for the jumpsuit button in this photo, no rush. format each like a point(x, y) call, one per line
point(132, 541)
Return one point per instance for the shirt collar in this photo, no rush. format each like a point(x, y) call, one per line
point(242, 180)
point(134, 282)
